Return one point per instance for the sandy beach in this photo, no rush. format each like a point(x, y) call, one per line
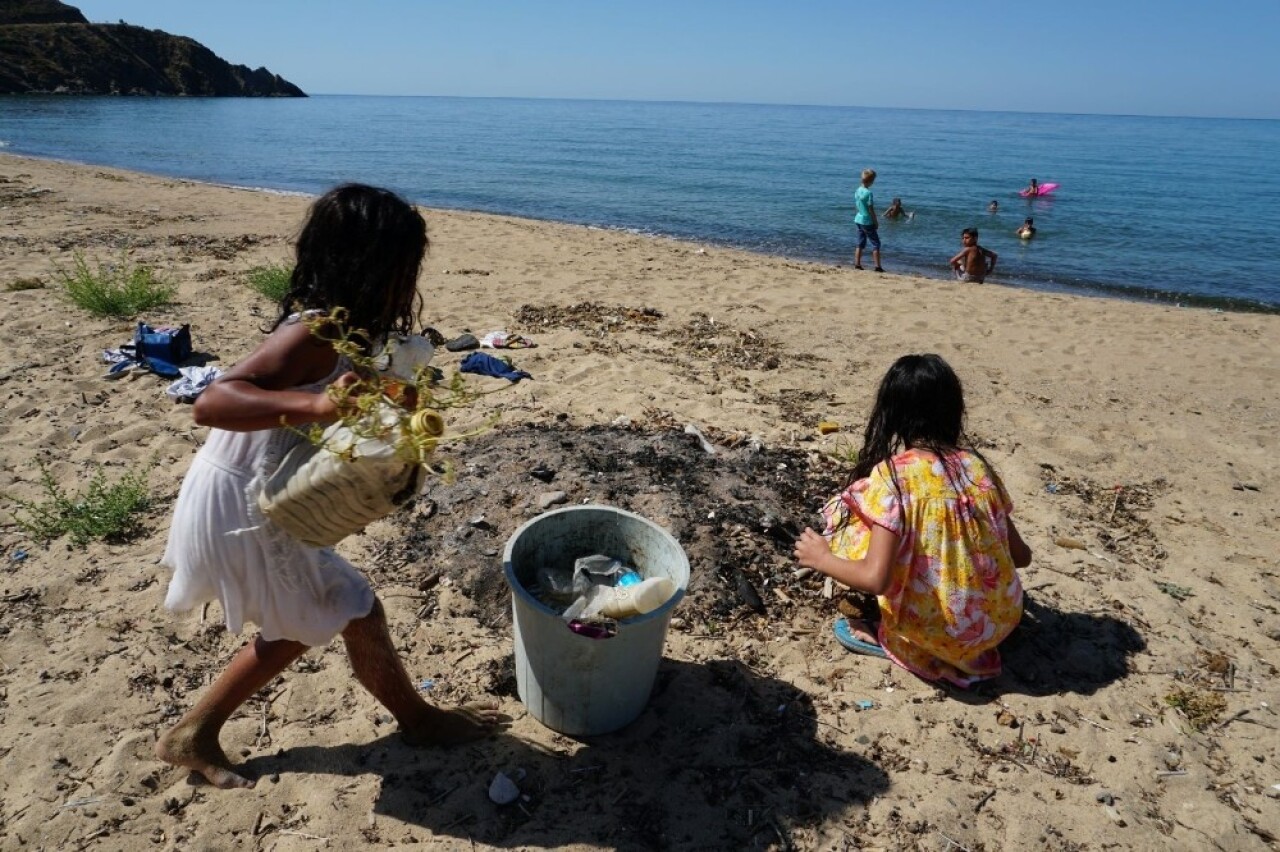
point(1138, 705)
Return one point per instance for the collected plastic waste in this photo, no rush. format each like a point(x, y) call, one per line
point(628, 601)
point(600, 587)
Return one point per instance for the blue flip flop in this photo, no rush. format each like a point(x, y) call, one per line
point(844, 635)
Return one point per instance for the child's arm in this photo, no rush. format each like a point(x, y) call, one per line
point(869, 574)
point(1018, 548)
point(254, 394)
point(955, 261)
point(991, 260)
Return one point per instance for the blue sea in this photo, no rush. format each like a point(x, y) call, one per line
point(1177, 210)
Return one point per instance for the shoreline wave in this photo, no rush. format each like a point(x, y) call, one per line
point(909, 265)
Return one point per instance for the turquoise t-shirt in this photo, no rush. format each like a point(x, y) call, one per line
point(863, 200)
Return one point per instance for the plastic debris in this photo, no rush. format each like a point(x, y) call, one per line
point(503, 790)
point(690, 429)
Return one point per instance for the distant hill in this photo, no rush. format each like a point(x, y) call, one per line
point(47, 47)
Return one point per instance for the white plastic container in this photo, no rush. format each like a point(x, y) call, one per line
point(571, 683)
point(629, 601)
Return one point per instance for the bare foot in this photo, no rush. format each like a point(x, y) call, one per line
point(452, 725)
point(863, 630)
point(184, 746)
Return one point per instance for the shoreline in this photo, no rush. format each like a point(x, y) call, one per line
point(1120, 291)
point(1136, 441)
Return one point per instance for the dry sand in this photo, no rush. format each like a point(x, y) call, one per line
point(1137, 441)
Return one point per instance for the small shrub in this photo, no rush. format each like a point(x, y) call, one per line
point(24, 284)
point(100, 512)
point(1202, 709)
point(271, 282)
point(844, 451)
point(114, 290)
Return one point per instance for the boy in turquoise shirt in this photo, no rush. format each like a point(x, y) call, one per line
point(865, 219)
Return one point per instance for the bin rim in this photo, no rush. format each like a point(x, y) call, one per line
point(518, 588)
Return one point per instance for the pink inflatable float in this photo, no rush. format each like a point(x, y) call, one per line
point(1044, 189)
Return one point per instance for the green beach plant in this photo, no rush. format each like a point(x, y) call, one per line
point(99, 512)
point(270, 281)
point(122, 289)
point(844, 451)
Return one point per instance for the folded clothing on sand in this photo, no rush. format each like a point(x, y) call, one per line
point(487, 365)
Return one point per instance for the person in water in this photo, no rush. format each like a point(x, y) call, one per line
point(974, 263)
point(1027, 229)
point(993, 207)
point(895, 211)
point(1033, 188)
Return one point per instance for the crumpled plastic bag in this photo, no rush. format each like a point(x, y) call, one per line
point(589, 571)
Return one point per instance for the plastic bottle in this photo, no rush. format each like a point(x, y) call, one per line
point(637, 599)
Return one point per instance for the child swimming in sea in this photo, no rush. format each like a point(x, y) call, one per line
point(895, 211)
point(361, 249)
point(1027, 229)
point(925, 525)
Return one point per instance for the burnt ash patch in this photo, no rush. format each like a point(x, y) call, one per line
point(736, 513)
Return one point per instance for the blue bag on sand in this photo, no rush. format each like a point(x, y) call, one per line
point(487, 365)
point(161, 350)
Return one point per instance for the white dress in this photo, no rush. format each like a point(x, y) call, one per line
point(222, 547)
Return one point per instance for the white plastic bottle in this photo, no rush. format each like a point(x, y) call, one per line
point(637, 599)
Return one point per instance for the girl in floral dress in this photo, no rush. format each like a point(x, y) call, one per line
point(925, 525)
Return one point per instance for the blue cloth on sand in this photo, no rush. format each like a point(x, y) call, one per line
point(486, 365)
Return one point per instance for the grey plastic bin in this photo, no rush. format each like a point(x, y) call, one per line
point(574, 684)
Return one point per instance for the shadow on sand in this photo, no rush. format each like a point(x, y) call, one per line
point(1053, 652)
point(722, 758)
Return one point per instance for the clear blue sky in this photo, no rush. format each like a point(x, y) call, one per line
point(1145, 57)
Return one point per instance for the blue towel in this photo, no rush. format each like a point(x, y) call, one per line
point(487, 365)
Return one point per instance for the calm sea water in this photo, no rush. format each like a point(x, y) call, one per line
point(1182, 210)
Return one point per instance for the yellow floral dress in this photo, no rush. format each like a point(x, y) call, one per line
point(954, 593)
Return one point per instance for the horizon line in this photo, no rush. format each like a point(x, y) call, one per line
point(784, 104)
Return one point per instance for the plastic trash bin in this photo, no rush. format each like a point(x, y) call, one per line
point(572, 683)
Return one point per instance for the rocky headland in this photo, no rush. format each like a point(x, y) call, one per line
point(48, 47)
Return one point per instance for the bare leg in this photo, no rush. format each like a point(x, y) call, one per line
point(378, 668)
point(875, 255)
point(193, 742)
point(857, 258)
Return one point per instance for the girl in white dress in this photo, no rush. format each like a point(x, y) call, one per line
point(360, 248)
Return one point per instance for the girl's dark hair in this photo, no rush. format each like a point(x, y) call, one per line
point(920, 405)
point(360, 248)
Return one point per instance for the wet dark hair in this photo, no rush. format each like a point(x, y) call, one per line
point(360, 248)
point(919, 405)
point(970, 232)
point(1029, 221)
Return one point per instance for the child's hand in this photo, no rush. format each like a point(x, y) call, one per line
point(812, 550)
point(333, 403)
